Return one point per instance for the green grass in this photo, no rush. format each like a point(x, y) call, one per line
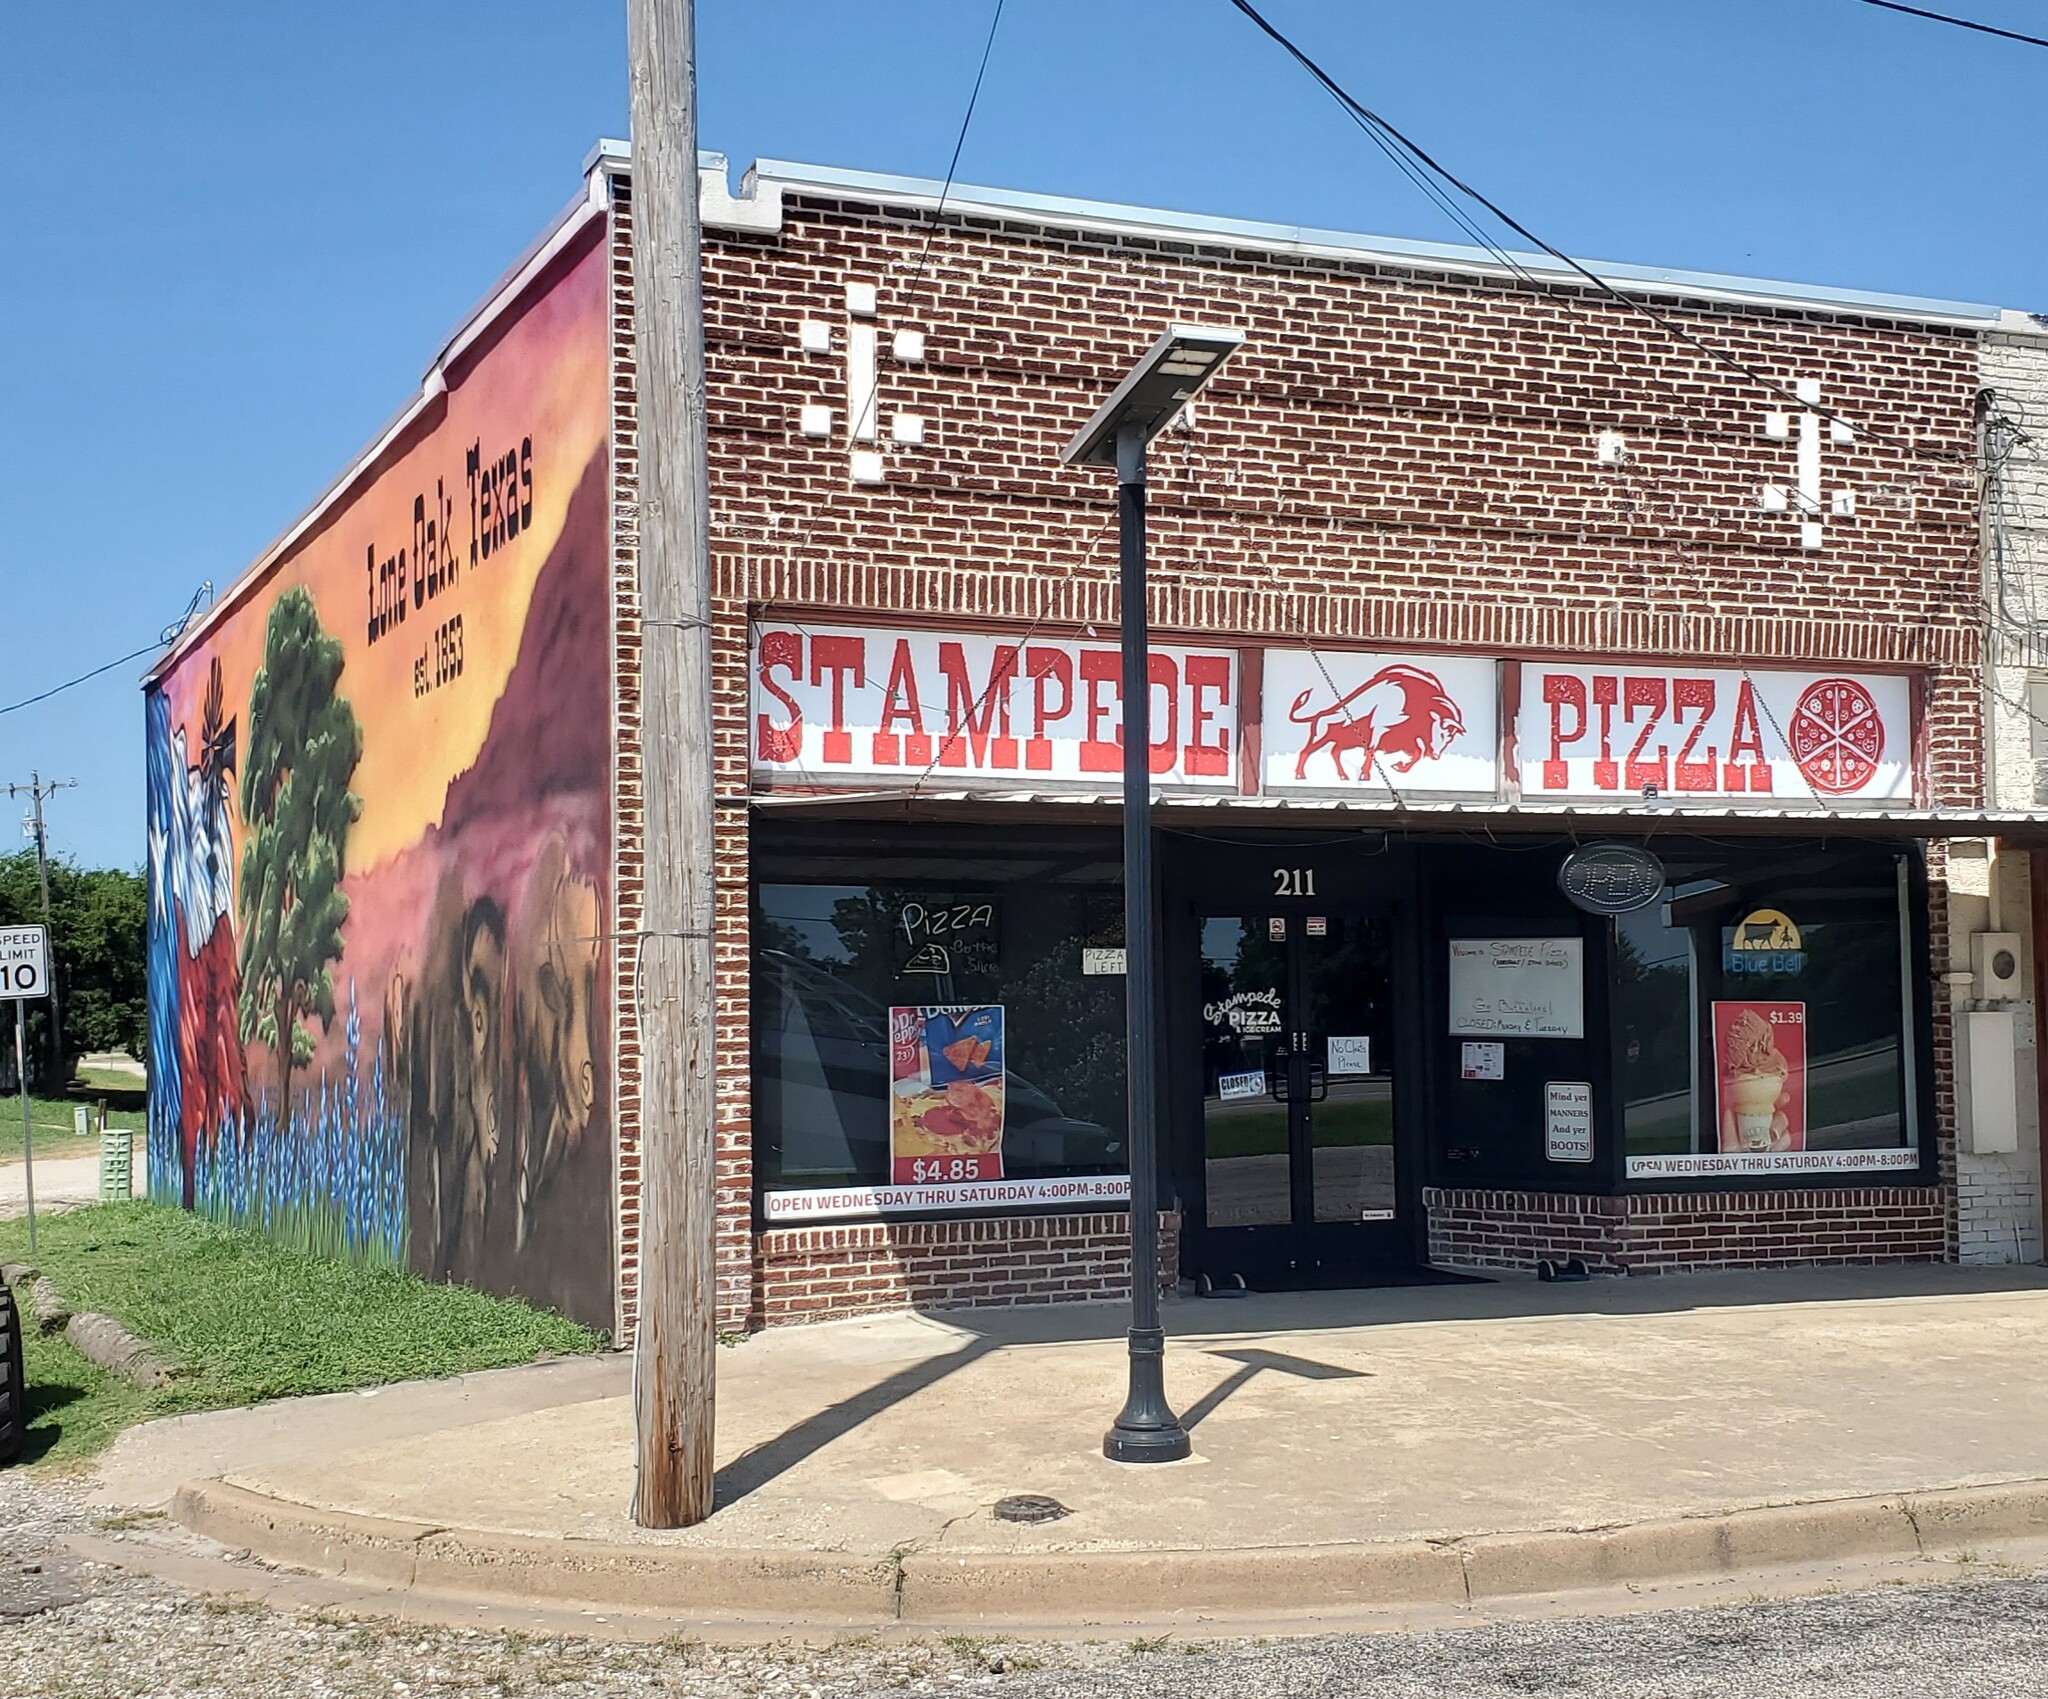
point(112, 1081)
point(75, 1407)
point(247, 1320)
point(51, 1119)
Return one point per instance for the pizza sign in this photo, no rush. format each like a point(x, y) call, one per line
point(1837, 736)
point(1697, 734)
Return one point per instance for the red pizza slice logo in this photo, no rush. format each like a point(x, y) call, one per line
point(1837, 736)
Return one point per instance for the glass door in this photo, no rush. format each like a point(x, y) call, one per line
point(1297, 1097)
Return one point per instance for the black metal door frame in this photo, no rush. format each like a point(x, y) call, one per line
point(1302, 1252)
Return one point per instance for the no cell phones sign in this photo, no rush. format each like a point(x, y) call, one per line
point(24, 961)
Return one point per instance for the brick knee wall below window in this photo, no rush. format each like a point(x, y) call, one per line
point(1673, 1232)
point(812, 1273)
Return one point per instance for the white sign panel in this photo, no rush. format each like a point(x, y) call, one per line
point(1482, 1059)
point(1232, 1087)
point(1099, 962)
point(1350, 1056)
point(24, 962)
point(852, 704)
point(1722, 736)
point(1738, 1163)
point(1388, 725)
point(1568, 1121)
point(830, 1203)
point(1518, 987)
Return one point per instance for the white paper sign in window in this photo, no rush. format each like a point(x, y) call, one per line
point(1568, 1121)
point(1518, 987)
point(1480, 1060)
point(1350, 1055)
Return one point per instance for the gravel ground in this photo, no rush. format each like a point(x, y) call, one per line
point(70, 1630)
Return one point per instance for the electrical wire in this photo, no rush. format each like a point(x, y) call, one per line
point(82, 678)
point(165, 638)
point(1366, 116)
point(959, 142)
point(856, 424)
point(1959, 23)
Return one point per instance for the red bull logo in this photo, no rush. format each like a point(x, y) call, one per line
point(1401, 716)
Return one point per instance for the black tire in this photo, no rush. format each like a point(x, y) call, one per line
point(13, 1385)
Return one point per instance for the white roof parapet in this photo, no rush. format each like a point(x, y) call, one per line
point(755, 211)
point(968, 200)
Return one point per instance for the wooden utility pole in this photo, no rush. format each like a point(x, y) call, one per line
point(39, 791)
point(675, 1344)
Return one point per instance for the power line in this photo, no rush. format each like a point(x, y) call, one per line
point(82, 678)
point(1366, 116)
point(165, 638)
point(953, 165)
point(1960, 23)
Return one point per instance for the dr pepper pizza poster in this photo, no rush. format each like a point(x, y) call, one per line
point(945, 1093)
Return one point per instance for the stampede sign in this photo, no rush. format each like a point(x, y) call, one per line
point(845, 705)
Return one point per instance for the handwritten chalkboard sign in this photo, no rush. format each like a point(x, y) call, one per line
point(943, 935)
point(1518, 988)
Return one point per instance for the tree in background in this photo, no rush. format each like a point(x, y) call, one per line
point(97, 919)
point(304, 743)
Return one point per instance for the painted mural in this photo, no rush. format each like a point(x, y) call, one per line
point(379, 849)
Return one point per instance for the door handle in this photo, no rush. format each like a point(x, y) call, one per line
point(1318, 1083)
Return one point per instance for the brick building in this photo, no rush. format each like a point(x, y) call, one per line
point(1560, 735)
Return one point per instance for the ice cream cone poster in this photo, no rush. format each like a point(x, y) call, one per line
point(1760, 1076)
point(946, 1094)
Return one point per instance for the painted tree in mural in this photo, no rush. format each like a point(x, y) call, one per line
point(304, 743)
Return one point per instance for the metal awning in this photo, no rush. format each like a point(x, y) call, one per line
point(1629, 818)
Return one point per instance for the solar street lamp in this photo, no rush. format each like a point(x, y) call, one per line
point(1184, 358)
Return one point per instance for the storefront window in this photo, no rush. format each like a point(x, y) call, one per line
point(916, 1032)
point(1761, 1016)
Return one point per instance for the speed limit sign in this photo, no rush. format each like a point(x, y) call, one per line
point(24, 961)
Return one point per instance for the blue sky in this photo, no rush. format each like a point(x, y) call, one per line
point(237, 233)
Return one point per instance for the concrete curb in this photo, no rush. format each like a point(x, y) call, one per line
point(1082, 1588)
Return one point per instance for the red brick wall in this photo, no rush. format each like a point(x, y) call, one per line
point(810, 1273)
point(1395, 457)
point(1671, 1232)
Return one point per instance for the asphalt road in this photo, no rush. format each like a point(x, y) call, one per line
point(72, 1630)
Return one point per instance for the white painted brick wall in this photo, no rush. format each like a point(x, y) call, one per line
point(1998, 1197)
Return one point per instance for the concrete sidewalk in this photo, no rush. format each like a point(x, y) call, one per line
point(63, 1182)
point(1431, 1443)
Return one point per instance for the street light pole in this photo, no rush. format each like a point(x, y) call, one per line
point(1164, 380)
point(1146, 1430)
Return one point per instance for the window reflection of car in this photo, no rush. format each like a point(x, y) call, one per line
point(824, 1053)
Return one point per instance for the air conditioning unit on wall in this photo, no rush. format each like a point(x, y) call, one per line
point(1995, 966)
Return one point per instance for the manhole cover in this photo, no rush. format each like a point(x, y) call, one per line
point(1030, 1507)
